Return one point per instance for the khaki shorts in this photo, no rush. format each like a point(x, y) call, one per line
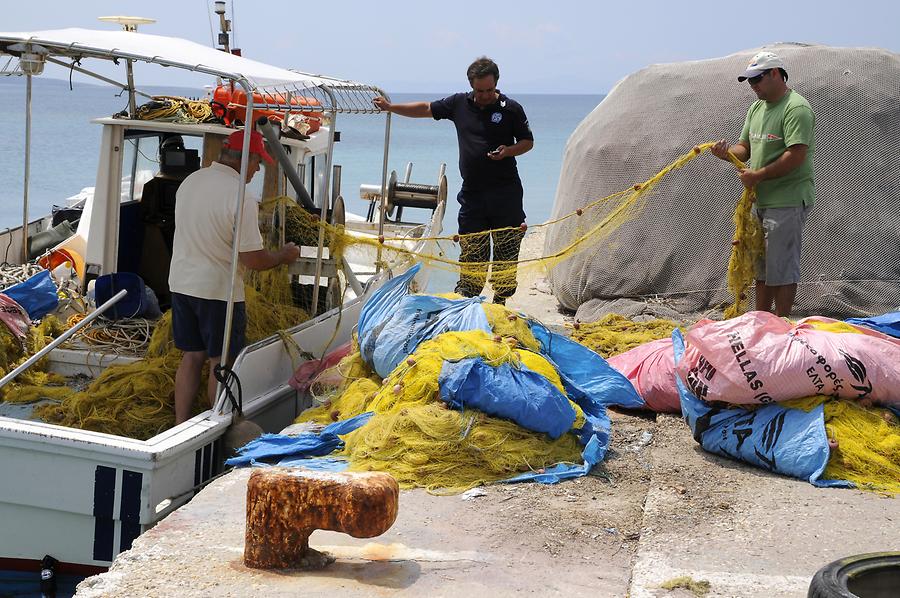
point(783, 232)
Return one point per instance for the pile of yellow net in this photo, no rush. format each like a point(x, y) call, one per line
point(614, 334)
point(13, 353)
point(866, 443)
point(136, 399)
point(415, 438)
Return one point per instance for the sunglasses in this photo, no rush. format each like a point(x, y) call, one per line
point(758, 78)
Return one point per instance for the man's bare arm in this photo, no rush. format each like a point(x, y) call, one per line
point(410, 109)
point(264, 260)
point(792, 158)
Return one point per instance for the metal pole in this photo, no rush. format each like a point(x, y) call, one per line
point(78, 69)
point(384, 169)
point(27, 168)
point(62, 338)
point(336, 186)
point(132, 105)
point(238, 218)
point(329, 157)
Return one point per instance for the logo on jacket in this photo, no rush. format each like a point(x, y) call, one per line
point(496, 117)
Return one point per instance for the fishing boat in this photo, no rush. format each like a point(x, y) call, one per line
point(81, 496)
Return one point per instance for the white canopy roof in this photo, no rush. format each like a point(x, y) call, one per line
point(180, 53)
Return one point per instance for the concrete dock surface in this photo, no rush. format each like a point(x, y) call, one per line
point(659, 509)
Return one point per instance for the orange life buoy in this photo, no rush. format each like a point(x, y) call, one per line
point(234, 105)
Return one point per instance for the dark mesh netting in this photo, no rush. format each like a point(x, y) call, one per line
point(678, 247)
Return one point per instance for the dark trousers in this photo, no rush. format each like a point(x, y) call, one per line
point(484, 210)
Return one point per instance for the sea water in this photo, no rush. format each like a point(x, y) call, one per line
point(64, 147)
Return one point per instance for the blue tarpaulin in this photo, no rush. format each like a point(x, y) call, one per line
point(516, 394)
point(788, 441)
point(308, 444)
point(393, 322)
point(888, 323)
point(593, 453)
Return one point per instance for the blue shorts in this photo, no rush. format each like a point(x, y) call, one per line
point(199, 325)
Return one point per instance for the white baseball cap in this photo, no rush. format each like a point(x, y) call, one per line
point(761, 63)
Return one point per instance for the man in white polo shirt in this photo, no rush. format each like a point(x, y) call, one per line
point(201, 264)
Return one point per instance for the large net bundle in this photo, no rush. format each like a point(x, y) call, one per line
point(448, 451)
point(865, 443)
point(422, 443)
point(614, 334)
point(136, 399)
point(679, 245)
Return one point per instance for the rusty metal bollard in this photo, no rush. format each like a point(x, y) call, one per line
point(284, 506)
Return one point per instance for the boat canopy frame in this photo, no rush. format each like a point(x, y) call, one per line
point(260, 82)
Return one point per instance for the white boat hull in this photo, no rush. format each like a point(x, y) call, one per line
point(83, 496)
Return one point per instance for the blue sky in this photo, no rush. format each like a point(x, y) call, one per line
point(541, 47)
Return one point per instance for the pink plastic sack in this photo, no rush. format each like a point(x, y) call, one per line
point(309, 370)
point(759, 358)
point(14, 317)
point(651, 370)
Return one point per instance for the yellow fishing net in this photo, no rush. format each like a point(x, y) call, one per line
point(137, 399)
point(865, 443)
point(594, 223)
point(415, 438)
point(746, 248)
point(614, 334)
point(13, 353)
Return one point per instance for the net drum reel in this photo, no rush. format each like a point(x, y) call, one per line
point(404, 194)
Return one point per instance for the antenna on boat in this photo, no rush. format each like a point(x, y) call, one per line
point(224, 29)
point(129, 24)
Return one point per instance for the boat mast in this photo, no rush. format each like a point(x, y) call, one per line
point(129, 24)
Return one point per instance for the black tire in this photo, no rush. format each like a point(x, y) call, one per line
point(873, 575)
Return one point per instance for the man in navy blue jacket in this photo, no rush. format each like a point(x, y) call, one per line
point(492, 130)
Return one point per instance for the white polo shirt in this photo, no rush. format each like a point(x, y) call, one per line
point(204, 225)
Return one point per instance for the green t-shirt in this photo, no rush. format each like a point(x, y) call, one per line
point(771, 128)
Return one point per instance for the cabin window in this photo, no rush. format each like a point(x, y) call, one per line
point(141, 160)
point(140, 163)
point(314, 176)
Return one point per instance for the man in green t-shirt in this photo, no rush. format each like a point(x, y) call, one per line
point(778, 140)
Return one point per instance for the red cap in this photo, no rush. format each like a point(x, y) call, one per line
point(235, 141)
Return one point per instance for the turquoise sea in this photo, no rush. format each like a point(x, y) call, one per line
point(65, 145)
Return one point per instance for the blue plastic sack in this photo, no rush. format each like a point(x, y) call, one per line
point(37, 295)
point(393, 323)
point(788, 441)
point(516, 394)
point(888, 323)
